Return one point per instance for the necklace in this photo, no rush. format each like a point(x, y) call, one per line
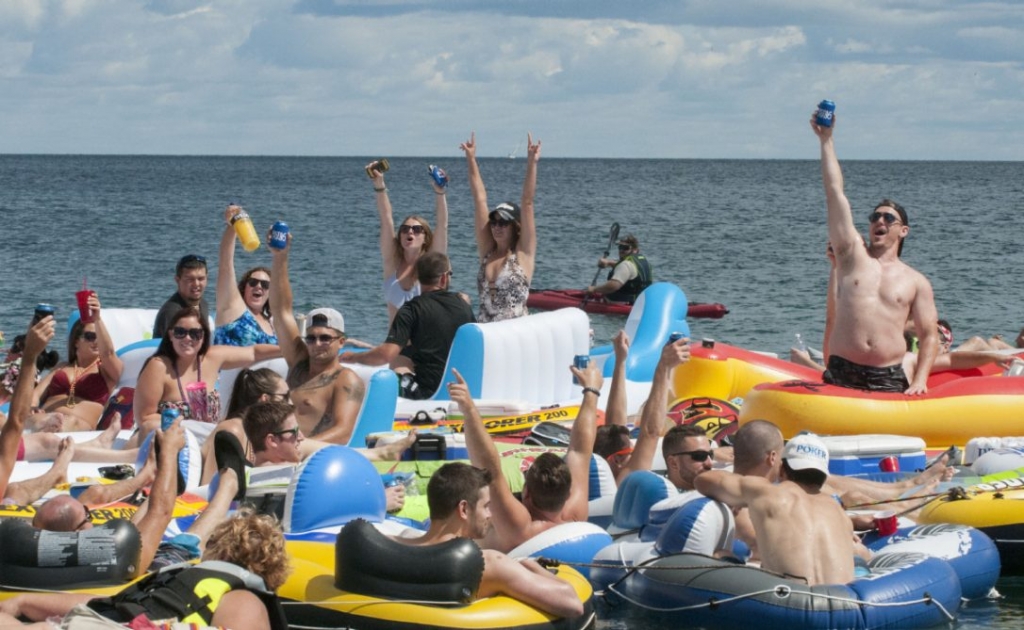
point(71, 402)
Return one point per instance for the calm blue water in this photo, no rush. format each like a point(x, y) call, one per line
point(749, 234)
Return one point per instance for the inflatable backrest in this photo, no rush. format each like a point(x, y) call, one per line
point(700, 525)
point(125, 325)
point(658, 312)
point(190, 459)
point(34, 558)
point(601, 492)
point(526, 358)
point(369, 563)
point(333, 486)
point(573, 543)
point(134, 356)
point(639, 491)
point(377, 413)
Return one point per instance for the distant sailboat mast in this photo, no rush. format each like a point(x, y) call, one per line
point(512, 155)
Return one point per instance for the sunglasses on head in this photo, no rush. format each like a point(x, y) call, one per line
point(189, 259)
point(294, 431)
point(89, 336)
point(885, 216)
point(697, 456)
point(86, 520)
point(312, 339)
point(256, 282)
point(415, 229)
point(195, 333)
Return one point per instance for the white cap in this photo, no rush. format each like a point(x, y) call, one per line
point(325, 317)
point(806, 451)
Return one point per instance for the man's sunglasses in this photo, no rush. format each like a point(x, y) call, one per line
point(195, 333)
point(86, 520)
point(624, 248)
point(293, 432)
point(415, 229)
point(697, 456)
point(312, 339)
point(256, 282)
point(89, 336)
point(885, 216)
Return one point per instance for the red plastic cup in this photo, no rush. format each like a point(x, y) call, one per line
point(83, 305)
point(886, 523)
point(889, 464)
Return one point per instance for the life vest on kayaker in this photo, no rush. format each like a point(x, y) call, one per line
point(631, 289)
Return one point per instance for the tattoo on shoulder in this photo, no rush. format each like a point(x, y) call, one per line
point(323, 380)
point(356, 390)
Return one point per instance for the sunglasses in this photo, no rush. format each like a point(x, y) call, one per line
point(187, 260)
point(256, 282)
point(500, 222)
point(86, 520)
point(415, 229)
point(885, 216)
point(276, 397)
point(312, 339)
point(697, 456)
point(195, 333)
point(89, 336)
point(294, 432)
point(620, 455)
point(624, 248)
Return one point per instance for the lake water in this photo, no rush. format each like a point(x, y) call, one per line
point(749, 234)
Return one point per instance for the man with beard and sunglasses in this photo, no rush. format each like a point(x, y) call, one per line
point(630, 274)
point(875, 292)
point(190, 274)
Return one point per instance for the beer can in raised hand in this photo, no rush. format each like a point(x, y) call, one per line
point(826, 113)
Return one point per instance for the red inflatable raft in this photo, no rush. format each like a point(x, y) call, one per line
point(551, 299)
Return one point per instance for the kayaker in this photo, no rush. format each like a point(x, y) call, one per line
point(629, 275)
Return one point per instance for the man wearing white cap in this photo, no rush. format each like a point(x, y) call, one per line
point(801, 532)
point(326, 395)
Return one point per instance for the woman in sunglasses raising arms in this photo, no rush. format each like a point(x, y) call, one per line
point(506, 240)
point(243, 310)
point(183, 371)
point(400, 251)
point(79, 388)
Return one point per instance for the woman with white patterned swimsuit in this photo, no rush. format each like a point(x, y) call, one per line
point(506, 239)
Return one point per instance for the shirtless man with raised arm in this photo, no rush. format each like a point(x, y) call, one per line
point(875, 292)
point(326, 395)
point(555, 490)
point(801, 532)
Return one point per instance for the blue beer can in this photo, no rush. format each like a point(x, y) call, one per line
point(580, 362)
point(676, 336)
point(279, 235)
point(826, 113)
point(440, 177)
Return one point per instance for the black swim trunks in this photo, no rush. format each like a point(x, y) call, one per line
point(876, 379)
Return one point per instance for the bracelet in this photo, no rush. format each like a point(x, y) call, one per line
point(443, 192)
point(380, 190)
point(591, 390)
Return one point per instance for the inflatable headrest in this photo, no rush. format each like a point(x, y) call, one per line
point(700, 525)
point(602, 481)
point(124, 325)
point(639, 491)
point(369, 563)
point(190, 460)
point(998, 460)
point(134, 356)
point(575, 543)
point(333, 486)
point(35, 558)
point(658, 312)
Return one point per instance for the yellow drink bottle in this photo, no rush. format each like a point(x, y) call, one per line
point(245, 230)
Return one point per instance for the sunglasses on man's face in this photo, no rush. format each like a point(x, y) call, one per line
point(624, 248)
point(256, 282)
point(697, 456)
point(312, 339)
point(195, 333)
point(89, 336)
point(415, 229)
point(294, 431)
point(885, 216)
point(85, 521)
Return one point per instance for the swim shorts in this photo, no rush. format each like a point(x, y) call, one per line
point(876, 379)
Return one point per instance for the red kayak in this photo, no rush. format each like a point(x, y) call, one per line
point(551, 299)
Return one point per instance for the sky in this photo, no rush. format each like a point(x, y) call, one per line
point(911, 79)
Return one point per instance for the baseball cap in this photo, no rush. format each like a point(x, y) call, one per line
point(629, 240)
point(806, 451)
point(507, 211)
point(326, 317)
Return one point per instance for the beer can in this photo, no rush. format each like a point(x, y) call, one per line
point(676, 336)
point(279, 235)
point(42, 310)
point(377, 166)
point(826, 113)
point(440, 177)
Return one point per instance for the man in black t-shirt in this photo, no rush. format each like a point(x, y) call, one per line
point(422, 332)
point(190, 274)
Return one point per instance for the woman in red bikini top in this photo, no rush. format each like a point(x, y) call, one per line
point(80, 387)
point(183, 371)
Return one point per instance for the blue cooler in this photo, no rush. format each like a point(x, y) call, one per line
point(859, 454)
